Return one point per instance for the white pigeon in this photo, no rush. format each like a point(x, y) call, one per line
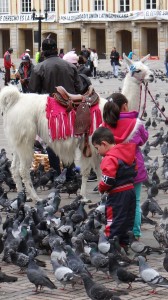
point(151, 276)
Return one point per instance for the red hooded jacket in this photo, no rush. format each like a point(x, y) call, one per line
point(120, 156)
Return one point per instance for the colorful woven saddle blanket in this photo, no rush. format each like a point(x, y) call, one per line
point(61, 123)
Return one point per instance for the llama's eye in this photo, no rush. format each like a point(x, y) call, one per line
point(137, 71)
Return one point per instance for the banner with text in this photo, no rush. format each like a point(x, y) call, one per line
point(24, 18)
point(152, 14)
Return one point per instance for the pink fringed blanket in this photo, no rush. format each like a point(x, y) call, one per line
point(61, 123)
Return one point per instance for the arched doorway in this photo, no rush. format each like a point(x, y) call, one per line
point(125, 41)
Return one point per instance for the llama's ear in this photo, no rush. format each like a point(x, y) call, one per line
point(143, 59)
point(127, 60)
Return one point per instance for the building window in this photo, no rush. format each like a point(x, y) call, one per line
point(26, 6)
point(73, 5)
point(4, 6)
point(124, 5)
point(99, 5)
point(150, 4)
point(50, 5)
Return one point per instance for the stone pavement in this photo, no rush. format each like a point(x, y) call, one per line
point(22, 289)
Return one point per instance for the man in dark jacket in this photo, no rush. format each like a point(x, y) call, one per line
point(48, 74)
point(114, 61)
point(54, 71)
point(24, 72)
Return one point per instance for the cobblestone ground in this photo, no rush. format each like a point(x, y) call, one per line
point(22, 289)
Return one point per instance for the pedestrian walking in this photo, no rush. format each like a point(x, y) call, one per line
point(114, 57)
point(95, 62)
point(126, 127)
point(118, 171)
point(8, 64)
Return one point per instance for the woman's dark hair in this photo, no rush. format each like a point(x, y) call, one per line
point(112, 108)
point(102, 134)
point(48, 53)
point(61, 51)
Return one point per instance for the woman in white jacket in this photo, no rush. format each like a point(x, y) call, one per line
point(95, 62)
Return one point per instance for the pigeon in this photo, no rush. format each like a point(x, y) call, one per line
point(159, 140)
point(64, 274)
point(97, 291)
point(7, 278)
point(154, 207)
point(151, 276)
point(164, 149)
point(125, 276)
point(154, 124)
point(146, 148)
point(153, 190)
point(155, 178)
point(148, 123)
point(155, 164)
point(58, 253)
point(81, 250)
point(98, 260)
point(160, 232)
point(163, 186)
point(139, 248)
point(61, 178)
point(74, 262)
point(38, 277)
point(103, 243)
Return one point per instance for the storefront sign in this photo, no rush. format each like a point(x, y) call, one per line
point(152, 14)
point(24, 18)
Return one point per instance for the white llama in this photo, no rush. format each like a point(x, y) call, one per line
point(24, 117)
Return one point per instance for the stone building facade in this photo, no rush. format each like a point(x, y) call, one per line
point(138, 25)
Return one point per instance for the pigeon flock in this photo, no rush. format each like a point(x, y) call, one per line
point(60, 249)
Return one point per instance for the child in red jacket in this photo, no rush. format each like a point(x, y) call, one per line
point(118, 171)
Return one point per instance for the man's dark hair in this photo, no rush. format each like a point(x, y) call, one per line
point(49, 47)
point(102, 134)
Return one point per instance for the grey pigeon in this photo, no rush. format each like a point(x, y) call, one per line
point(125, 276)
point(38, 277)
point(64, 274)
point(160, 232)
point(74, 262)
point(150, 275)
point(97, 291)
point(164, 149)
point(99, 260)
point(139, 248)
point(7, 278)
point(154, 207)
point(61, 178)
point(103, 243)
point(58, 253)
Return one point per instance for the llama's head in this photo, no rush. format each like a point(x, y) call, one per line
point(139, 70)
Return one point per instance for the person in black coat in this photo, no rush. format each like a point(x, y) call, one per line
point(24, 72)
point(52, 72)
point(114, 57)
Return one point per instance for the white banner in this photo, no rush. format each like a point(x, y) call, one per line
point(24, 18)
point(108, 16)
